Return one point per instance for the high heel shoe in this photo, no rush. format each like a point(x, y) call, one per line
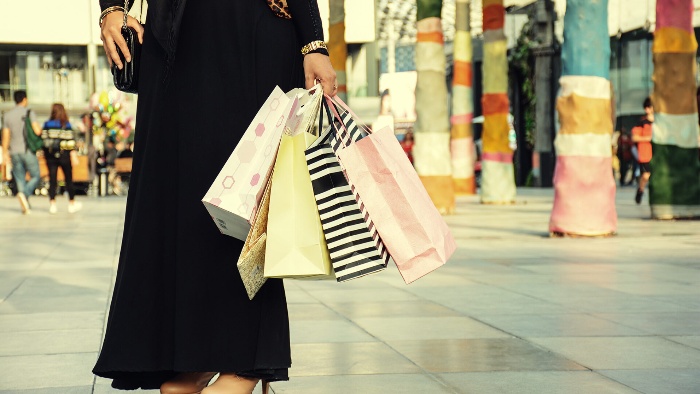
point(229, 383)
point(187, 383)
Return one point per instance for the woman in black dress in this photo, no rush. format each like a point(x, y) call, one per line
point(180, 312)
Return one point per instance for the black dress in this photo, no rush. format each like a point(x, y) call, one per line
point(179, 304)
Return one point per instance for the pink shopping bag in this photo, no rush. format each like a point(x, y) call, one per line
point(233, 198)
point(408, 223)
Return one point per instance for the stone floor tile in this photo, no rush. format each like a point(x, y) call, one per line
point(422, 308)
point(19, 266)
point(17, 304)
point(50, 264)
point(386, 294)
point(52, 390)
point(24, 343)
point(512, 304)
point(298, 311)
point(655, 289)
point(51, 321)
point(549, 291)
point(688, 302)
point(660, 381)
point(623, 352)
point(295, 296)
point(623, 303)
point(534, 382)
point(327, 331)
point(437, 278)
point(680, 323)
point(558, 325)
point(692, 341)
point(44, 371)
point(419, 327)
point(77, 286)
point(365, 384)
point(481, 355)
point(320, 359)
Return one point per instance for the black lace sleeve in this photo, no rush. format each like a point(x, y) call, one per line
point(307, 20)
point(104, 4)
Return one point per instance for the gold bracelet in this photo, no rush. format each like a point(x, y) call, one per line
point(312, 46)
point(109, 11)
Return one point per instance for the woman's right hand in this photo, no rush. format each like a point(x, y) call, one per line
point(111, 37)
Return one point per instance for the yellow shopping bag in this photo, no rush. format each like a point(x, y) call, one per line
point(296, 246)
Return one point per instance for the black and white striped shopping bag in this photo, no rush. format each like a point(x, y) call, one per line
point(343, 137)
point(353, 251)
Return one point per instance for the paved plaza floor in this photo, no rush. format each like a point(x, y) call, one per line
point(514, 311)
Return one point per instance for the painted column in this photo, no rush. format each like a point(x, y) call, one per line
point(431, 151)
point(337, 47)
point(584, 187)
point(462, 105)
point(674, 187)
point(497, 176)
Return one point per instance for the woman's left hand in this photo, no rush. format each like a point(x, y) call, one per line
point(317, 67)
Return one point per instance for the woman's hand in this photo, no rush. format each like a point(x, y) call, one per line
point(317, 67)
point(111, 37)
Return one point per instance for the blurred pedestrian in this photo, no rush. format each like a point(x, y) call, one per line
point(180, 312)
point(386, 115)
point(17, 151)
point(641, 136)
point(59, 151)
point(624, 154)
point(407, 145)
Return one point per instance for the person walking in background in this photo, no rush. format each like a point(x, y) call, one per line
point(59, 151)
point(16, 149)
point(624, 154)
point(407, 145)
point(641, 135)
point(180, 312)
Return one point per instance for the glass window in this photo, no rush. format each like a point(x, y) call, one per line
point(48, 73)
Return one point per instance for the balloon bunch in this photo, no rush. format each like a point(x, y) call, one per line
point(110, 118)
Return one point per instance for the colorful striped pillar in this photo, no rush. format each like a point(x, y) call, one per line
point(462, 106)
point(674, 187)
point(584, 187)
point(497, 176)
point(431, 151)
point(337, 47)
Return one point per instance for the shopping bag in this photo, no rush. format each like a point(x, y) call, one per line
point(251, 262)
point(352, 250)
point(410, 226)
point(296, 247)
point(233, 197)
point(347, 132)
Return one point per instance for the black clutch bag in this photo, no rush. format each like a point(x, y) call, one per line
point(127, 79)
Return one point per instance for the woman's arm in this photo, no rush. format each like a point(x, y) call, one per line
point(317, 65)
point(104, 4)
point(307, 21)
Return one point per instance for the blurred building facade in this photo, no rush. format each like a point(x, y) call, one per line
point(51, 49)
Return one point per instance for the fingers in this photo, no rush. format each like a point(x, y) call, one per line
point(330, 85)
point(121, 42)
point(310, 81)
point(112, 38)
point(112, 54)
point(131, 22)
